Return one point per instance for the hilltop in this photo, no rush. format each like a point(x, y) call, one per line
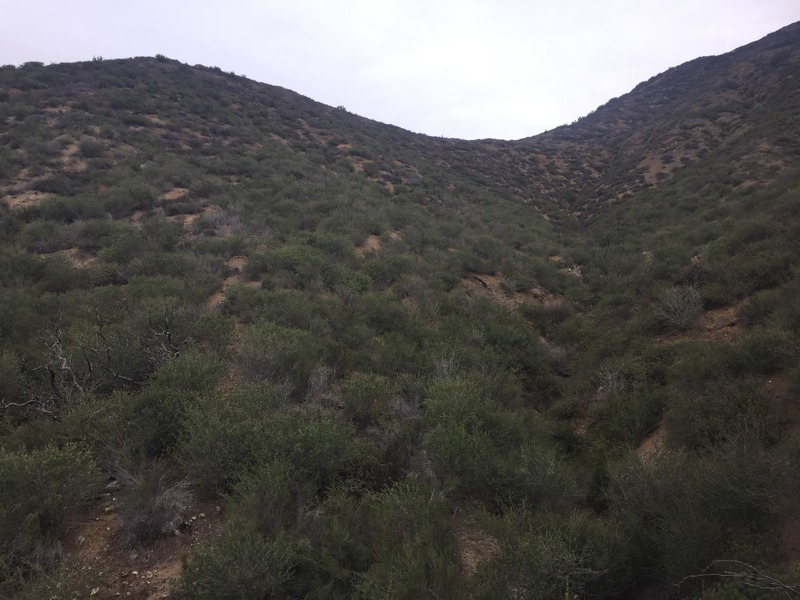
point(255, 345)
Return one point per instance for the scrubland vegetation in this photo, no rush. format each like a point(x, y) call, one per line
point(402, 367)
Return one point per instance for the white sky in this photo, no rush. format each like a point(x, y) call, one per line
point(459, 68)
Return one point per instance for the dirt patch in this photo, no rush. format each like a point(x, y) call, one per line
point(139, 573)
point(25, 199)
point(475, 547)
point(136, 217)
point(76, 258)
point(70, 158)
point(573, 271)
point(235, 264)
point(359, 163)
point(720, 324)
point(653, 444)
point(715, 325)
point(174, 194)
point(372, 244)
point(283, 141)
point(497, 289)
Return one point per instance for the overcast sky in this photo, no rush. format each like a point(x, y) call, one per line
point(459, 68)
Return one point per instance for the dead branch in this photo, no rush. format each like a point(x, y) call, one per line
point(749, 576)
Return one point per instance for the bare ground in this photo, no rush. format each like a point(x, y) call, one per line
point(491, 286)
point(139, 573)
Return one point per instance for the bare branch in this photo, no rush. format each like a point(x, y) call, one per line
point(749, 576)
point(34, 401)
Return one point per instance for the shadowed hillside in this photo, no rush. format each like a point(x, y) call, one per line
point(255, 346)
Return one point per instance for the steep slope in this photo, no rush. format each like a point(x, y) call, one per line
point(318, 356)
point(738, 107)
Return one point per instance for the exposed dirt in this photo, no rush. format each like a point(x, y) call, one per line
point(492, 287)
point(25, 199)
point(70, 158)
point(719, 324)
point(235, 264)
point(714, 325)
point(359, 162)
point(372, 244)
point(174, 194)
point(76, 257)
point(653, 443)
point(475, 547)
point(139, 573)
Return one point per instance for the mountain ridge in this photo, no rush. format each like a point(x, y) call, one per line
point(590, 156)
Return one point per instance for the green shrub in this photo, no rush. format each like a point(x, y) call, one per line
point(681, 512)
point(367, 397)
point(722, 410)
point(479, 448)
point(414, 545)
point(91, 148)
point(758, 308)
point(763, 351)
point(240, 565)
point(624, 418)
point(546, 556)
point(195, 371)
point(320, 448)
point(153, 421)
point(40, 491)
point(283, 355)
point(153, 417)
point(223, 438)
point(69, 580)
point(212, 331)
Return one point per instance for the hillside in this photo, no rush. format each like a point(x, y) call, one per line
point(255, 346)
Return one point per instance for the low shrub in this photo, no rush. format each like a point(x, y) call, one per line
point(680, 308)
point(762, 351)
point(153, 504)
point(681, 511)
point(546, 556)
point(722, 410)
point(222, 439)
point(367, 397)
point(40, 491)
point(240, 565)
